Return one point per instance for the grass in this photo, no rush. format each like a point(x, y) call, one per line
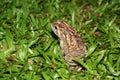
point(29, 50)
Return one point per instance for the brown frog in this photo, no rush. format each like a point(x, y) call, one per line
point(72, 46)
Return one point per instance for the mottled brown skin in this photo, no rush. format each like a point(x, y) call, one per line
point(72, 46)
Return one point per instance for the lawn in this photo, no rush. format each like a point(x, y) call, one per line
point(29, 50)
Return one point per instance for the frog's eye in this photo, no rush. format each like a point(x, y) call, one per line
point(55, 27)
